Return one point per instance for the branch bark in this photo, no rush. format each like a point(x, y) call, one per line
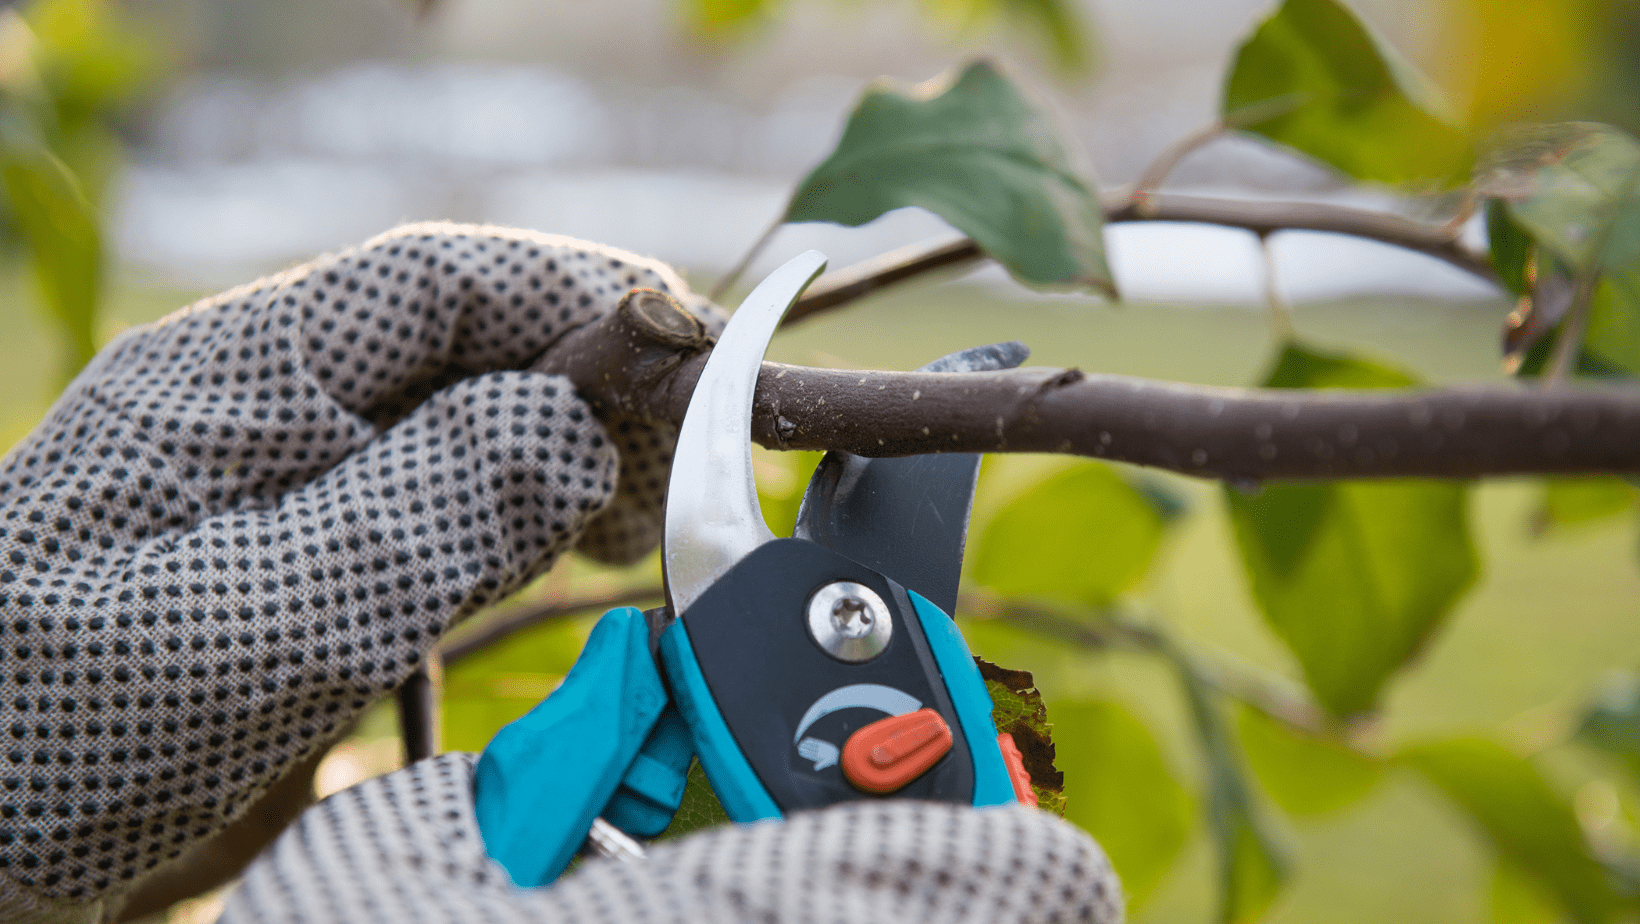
point(1261, 218)
point(1237, 434)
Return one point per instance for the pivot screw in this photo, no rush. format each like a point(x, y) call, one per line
point(849, 621)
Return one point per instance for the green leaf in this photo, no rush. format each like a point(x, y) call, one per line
point(1302, 774)
point(1509, 248)
point(1080, 537)
point(699, 809)
point(1056, 23)
point(62, 231)
point(1517, 898)
point(1612, 724)
point(724, 17)
point(1125, 794)
point(1017, 709)
point(977, 154)
point(1252, 868)
point(1525, 820)
point(1575, 189)
point(1577, 501)
point(1313, 79)
point(1352, 576)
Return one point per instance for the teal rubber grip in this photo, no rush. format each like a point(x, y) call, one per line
point(543, 778)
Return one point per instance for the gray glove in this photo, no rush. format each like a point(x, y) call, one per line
point(406, 847)
point(243, 524)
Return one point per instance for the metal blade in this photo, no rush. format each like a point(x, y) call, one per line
point(904, 518)
point(713, 519)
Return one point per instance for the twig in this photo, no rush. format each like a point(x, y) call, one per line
point(1280, 313)
point(1269, 217)
point(504, 625)
point(857, 281)
point(1569, 345)
point(1113, 631)
point(418, 699)
point(843, 286)
point(1164, 164)
point(730, 278)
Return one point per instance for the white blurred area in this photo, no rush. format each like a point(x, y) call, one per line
point(603, 121)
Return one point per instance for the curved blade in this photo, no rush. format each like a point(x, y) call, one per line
point(712, 516)
point(904, 518)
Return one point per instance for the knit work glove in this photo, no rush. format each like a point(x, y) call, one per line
point(406, 847)
point(242, 524)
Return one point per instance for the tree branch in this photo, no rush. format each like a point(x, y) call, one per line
point(418, 700)
point(1238, 434)
point(1262, 218)
point(500, 627)
point(1112, 631)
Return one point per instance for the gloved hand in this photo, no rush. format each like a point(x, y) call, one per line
point(243, 524)
point(406, 847)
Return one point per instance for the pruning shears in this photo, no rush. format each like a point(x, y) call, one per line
point(801, 672)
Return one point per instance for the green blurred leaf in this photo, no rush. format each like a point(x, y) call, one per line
point(977, 154)
point(1056, 23)
point(1017, 709)
point(1575, 189)
point(1352, 576)
point(1509, 248)
point(500, 683)
point(699, 809)
point(1252, 867)
point(1312, 78)
point(1125, 794)
point(1525, 820)
point(1576, 501)
point(1516, 898)
point(1081, 537)
point(62, 231)
point(1612, 724)
point(1304, 775)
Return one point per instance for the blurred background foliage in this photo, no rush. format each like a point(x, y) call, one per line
point(1352, 702)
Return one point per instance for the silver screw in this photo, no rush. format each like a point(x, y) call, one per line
point(849, 621)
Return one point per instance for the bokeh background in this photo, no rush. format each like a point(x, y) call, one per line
point(225, 139)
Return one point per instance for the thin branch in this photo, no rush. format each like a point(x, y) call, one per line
point(733, 276)
point(1113, 631)
point(418, 699)
point(843, 286)
point(1280, 313)
point(1165, 163)
point(857, 281)
point(506, 624)
point(1569, 345)
point(1265, 218)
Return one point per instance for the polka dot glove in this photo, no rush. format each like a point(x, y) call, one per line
point(242, 524)
point(406, 847)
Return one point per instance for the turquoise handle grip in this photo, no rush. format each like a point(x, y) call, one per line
point(544, 778)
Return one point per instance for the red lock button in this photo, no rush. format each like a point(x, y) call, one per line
point(889, 753)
